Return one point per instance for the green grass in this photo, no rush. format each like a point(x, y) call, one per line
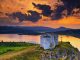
point(30, 55)
point(35, 52)
point(33, 55)
point(13, 46)
point(8, 49)
point(65, 46)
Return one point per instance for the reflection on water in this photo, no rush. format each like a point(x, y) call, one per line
point(36, 39)
point(19, 38)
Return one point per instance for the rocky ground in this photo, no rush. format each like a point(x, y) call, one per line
point(64, 51)
point(79, 56)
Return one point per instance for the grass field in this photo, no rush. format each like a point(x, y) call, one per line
point(13, 46)
point(32, 54)
point(28, 51)
point(37, 53)
point(8, 49)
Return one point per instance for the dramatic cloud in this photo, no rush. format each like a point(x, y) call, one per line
point(62, 8)
point(66, 8)
point(58, 13)
point(46, 9)
point(70, 5)
point(51, 13)
point(31, 16)
point(35, 16)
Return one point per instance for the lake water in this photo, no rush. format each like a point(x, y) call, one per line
point(36, 39)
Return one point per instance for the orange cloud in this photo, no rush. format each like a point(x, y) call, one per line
point(25, 5)
point(19, 5)
point(69, 21)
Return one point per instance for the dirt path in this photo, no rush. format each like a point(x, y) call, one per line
point(9, 55)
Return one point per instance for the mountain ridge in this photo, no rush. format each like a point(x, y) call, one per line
point(36, 30)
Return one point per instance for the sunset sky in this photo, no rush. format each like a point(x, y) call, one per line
point(48, 13)
point(32, 13)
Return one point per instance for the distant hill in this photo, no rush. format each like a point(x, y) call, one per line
point(36, 28)
point(45, 29)
point(71, 32)
point(16, 30)
point(39, 29)
point(62, 29)
point(23, 30)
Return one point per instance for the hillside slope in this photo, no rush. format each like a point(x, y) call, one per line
point(63, 51)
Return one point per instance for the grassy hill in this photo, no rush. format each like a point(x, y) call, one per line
point(28, 51)
point(63, 51)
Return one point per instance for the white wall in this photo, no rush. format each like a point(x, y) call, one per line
point(46, 42)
